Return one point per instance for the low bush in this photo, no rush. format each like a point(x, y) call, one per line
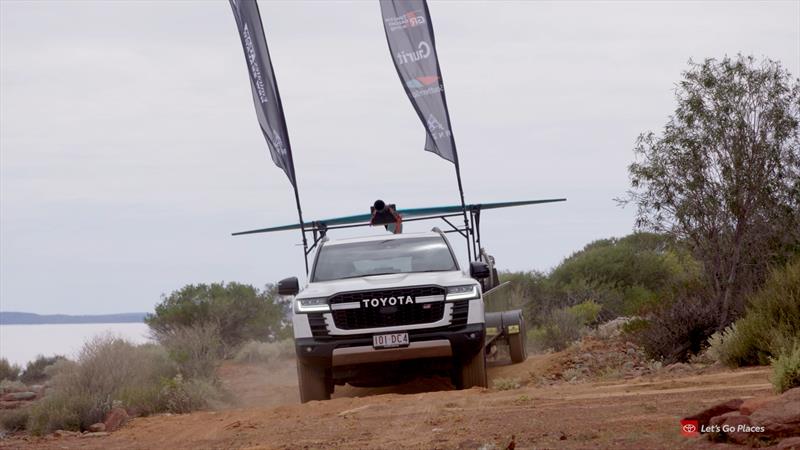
point(179, 396)
point(719, 342)
point(563, 326)
point(108, 369)
point(14, 419)
point(8, 371)
point(586, 312)
point(771, 322)
point(196, 349)
point(786, 368)
point(12, 386)
point(677, 331)
point(35, 370)
point(265, 352)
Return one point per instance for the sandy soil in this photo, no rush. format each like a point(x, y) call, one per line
point(637, 414)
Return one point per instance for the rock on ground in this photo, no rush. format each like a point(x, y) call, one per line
point(705, 416)
point(792, 443)
point(15, 396)
point(115, 419)
point(780, 417)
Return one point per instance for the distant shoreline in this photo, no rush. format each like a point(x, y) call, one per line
point(22, 318)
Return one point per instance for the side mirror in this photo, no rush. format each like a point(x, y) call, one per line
point(479, 270)
point(288, 286)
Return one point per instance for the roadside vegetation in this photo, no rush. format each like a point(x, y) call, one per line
point(714, 267)
point(238, 313)
point(9, 371)
point(194, 329)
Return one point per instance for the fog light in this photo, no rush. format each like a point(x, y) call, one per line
point(308, 349)
point(472, 335)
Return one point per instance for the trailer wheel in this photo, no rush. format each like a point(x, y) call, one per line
point(516, 343)
point(313, 383)
point(473, 372)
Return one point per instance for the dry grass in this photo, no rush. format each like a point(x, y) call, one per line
point(506, 384)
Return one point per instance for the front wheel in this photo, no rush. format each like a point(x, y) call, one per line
point(313, 383)
point(473, 372)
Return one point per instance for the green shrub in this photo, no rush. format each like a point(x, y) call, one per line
point(265, 352)
point(14, 419)
point(586, 312)
point(196, 349)
point(786, 368)
point(179, 395)
point(240, 312)
point(629, 274)
point(771, 322)
point(63, 410)
point(35, 370)
point(563, 326)
point(634, 326)
point(719, 343)
point(561, 329)
point(8, 371)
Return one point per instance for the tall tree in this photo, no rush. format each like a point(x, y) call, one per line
point(724, 175)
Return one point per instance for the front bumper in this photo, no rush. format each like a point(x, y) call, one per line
point(460, 344)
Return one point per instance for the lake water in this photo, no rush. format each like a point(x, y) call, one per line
point(22, 343)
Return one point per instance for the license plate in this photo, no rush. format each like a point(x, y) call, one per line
point(390, 340)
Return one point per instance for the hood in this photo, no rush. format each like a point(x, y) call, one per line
point(392, 281)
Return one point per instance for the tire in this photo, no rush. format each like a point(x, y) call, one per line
point(516, 343)
point(313, 383)
point(473, 372)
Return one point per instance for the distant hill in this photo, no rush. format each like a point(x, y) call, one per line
point(21, 318)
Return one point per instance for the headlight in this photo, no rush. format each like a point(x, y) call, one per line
point(466, 292)
point(307, 305)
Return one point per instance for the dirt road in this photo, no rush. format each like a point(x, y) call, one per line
point(637, 414)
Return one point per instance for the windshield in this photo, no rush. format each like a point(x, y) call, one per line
point(359, 259)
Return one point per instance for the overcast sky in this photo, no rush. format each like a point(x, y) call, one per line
point(129, 147)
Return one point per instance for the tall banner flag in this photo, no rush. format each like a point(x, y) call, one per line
point(409, 33)
point(262, 81)
point(266, 97)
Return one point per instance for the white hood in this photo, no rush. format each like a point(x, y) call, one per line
point(391, 281)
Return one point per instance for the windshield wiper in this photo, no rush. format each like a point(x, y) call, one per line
point(367, 275)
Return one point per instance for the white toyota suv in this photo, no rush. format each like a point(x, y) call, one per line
point(381, 310)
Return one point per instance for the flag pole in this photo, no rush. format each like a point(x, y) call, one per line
point(463, 204)
point(302, 225)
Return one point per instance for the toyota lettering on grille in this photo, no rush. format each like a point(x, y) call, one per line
point(388, 301)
